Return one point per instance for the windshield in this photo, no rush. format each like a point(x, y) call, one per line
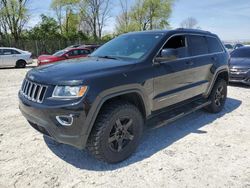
point(241, 53)
point(130, 47)
point(228, 46)
point(59, 53)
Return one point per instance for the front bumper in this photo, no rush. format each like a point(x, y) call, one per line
point(238, 77)
point(43, 118)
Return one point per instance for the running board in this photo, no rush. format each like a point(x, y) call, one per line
point(174, 114)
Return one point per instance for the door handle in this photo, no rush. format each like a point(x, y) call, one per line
point(189, 62)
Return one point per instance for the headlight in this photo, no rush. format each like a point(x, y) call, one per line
point(69, 91)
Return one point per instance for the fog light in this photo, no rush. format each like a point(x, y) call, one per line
point(65, 120)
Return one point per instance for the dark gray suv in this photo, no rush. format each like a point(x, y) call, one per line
point(101, 103)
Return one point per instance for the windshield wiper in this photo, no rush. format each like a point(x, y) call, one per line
point(108, 57)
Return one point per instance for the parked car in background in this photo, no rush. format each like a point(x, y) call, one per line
point(13, 57)
point(71, 53)
point(238, 45)
point(240, 65)
point(229, 47)
point(91, 47)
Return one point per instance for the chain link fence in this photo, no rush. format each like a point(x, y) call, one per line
point(39, 47)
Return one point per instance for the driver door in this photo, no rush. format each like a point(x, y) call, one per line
point(173, 76)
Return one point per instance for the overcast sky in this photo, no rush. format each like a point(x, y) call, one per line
point(230, 19)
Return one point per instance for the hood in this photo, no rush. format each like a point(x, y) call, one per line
point(240, 63)
point(77, 70)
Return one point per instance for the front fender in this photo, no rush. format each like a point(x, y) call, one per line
point(106, 95)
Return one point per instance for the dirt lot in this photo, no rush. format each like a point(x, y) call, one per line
point(200, 150)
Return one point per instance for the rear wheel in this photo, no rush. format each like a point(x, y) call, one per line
point(218, 97)
point(20, 64)
point(116, 133)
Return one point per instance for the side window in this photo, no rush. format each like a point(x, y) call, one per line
point(214, 45)
point(197, 45)
point(178, 44)
point(73, 53)
point(1, 52)
point(7, 52)
point(15, 52)
point(83, 52)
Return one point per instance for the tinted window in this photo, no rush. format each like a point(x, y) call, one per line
point(7, 52)
point(214, 45)
point(15, 52)
point(238, 46)
point(83, 52)
point(241, 53)
point(197, 45)
point(179, 44)
point(129, 46)
point(73, 53)
point(228, 46)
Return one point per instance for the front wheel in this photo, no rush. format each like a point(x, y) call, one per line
point(218, 97)
point(116, 133)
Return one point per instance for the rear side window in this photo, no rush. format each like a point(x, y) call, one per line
point(7, 52)
point(197, 45)
point(83, 52)
point(214, 45)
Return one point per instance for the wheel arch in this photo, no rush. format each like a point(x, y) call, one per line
point(21, 60)
point(134, 96)
point(222, 73)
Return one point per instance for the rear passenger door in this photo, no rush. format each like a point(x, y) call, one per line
point(200, 62)
point(8, 58)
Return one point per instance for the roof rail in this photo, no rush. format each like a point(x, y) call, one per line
point(181, 28)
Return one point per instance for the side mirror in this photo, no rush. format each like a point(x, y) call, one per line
point(66, 56)
point(167, 55)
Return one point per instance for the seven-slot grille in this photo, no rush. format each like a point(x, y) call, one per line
point(33, 91)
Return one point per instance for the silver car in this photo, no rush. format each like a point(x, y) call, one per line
point(13, 57)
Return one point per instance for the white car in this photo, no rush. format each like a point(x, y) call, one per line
point(13, 57)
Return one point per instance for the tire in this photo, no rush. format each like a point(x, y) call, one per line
point(218, 97)
point(116, 132)
point(20, 64)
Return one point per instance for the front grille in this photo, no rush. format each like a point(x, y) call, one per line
point(33, 91)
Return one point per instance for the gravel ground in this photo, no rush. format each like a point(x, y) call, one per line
point(200, 150)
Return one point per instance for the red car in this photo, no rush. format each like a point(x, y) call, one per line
point(63, 55)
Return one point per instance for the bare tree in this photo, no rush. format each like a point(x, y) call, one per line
point(58, 8)
point(123, 20)
point(190, 23)
point(96, 14)
point(14, 16)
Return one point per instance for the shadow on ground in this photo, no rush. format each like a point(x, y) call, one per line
point(154, 140)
